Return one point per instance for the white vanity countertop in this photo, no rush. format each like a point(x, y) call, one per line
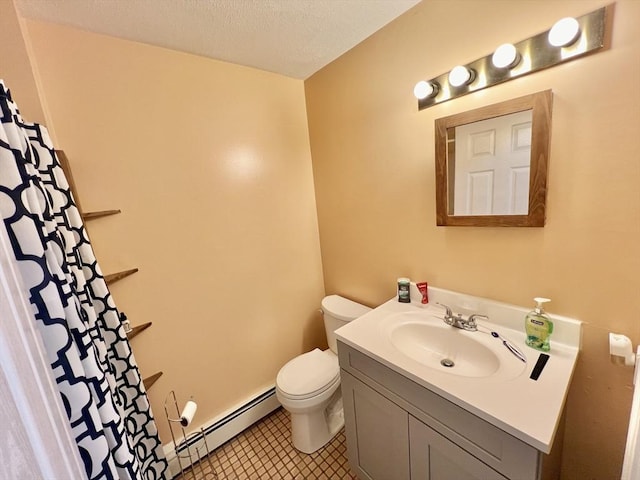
point(527, 409)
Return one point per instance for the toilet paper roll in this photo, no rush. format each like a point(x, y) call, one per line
point(188, 412)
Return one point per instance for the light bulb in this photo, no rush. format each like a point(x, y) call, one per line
point(505, 56)
point(460, 75)
point(564, 32)
point(424, 90)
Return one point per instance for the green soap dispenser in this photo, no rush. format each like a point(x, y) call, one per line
point(538, 326)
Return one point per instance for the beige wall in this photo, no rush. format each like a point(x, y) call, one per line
point(210, 164)
point(15, 67)
point(373, 158)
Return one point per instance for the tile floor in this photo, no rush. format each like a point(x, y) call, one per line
point(264, 451)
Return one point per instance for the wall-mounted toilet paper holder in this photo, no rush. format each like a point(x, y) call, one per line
point(621, 350)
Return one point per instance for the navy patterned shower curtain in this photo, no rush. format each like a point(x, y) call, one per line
point(91, 360)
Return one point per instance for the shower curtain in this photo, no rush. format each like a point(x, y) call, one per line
point(91, 360)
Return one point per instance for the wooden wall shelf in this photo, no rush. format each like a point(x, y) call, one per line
point(102, 213)
point(114, 277)
point(137, 330)
point(147, 382)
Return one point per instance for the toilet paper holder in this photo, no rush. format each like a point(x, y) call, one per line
point(191, 448)
point(621, 350)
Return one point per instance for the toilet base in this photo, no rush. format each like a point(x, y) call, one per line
point(313, 430)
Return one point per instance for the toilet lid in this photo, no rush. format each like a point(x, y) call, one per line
point(308, 374)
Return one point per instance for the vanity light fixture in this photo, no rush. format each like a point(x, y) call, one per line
point(505, 56)
point(425, 89)
point(564, 32)
point(568, 39)
point(460, 75)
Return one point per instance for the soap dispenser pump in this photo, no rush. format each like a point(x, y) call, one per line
point(538, 326)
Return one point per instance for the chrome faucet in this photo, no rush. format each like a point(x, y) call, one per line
point(459, 321)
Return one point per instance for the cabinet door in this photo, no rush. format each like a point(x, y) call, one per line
point(434, 457)
point(377, 432)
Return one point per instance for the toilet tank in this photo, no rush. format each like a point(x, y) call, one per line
point(337, 311)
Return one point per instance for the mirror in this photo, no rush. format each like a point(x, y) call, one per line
point(491, 164)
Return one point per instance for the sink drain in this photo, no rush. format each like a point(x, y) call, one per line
point(447, 362)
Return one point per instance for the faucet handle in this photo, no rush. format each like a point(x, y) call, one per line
point(449, 313)
point(449, 319)
point(471, 324)
point(477, 316)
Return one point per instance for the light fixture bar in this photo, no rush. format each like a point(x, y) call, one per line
point(537, 54)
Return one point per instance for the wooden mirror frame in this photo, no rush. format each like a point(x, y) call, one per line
point(540, 104)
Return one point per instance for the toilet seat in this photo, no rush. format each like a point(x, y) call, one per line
point(308, 375)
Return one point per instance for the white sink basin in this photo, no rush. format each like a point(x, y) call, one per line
point(426, 339)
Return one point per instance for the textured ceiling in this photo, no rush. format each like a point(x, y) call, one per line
point(290, 37)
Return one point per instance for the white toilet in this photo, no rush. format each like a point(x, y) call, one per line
point(308, 386)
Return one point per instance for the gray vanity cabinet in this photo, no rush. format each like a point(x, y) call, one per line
point(377, 440)
point(434, 457)
point(398, 430)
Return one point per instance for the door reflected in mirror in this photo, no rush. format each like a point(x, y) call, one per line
point(491, 164)
point(491, 161)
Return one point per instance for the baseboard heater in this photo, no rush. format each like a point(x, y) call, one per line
point(230, 424)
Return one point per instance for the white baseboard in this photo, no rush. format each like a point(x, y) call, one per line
point(229, 424)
